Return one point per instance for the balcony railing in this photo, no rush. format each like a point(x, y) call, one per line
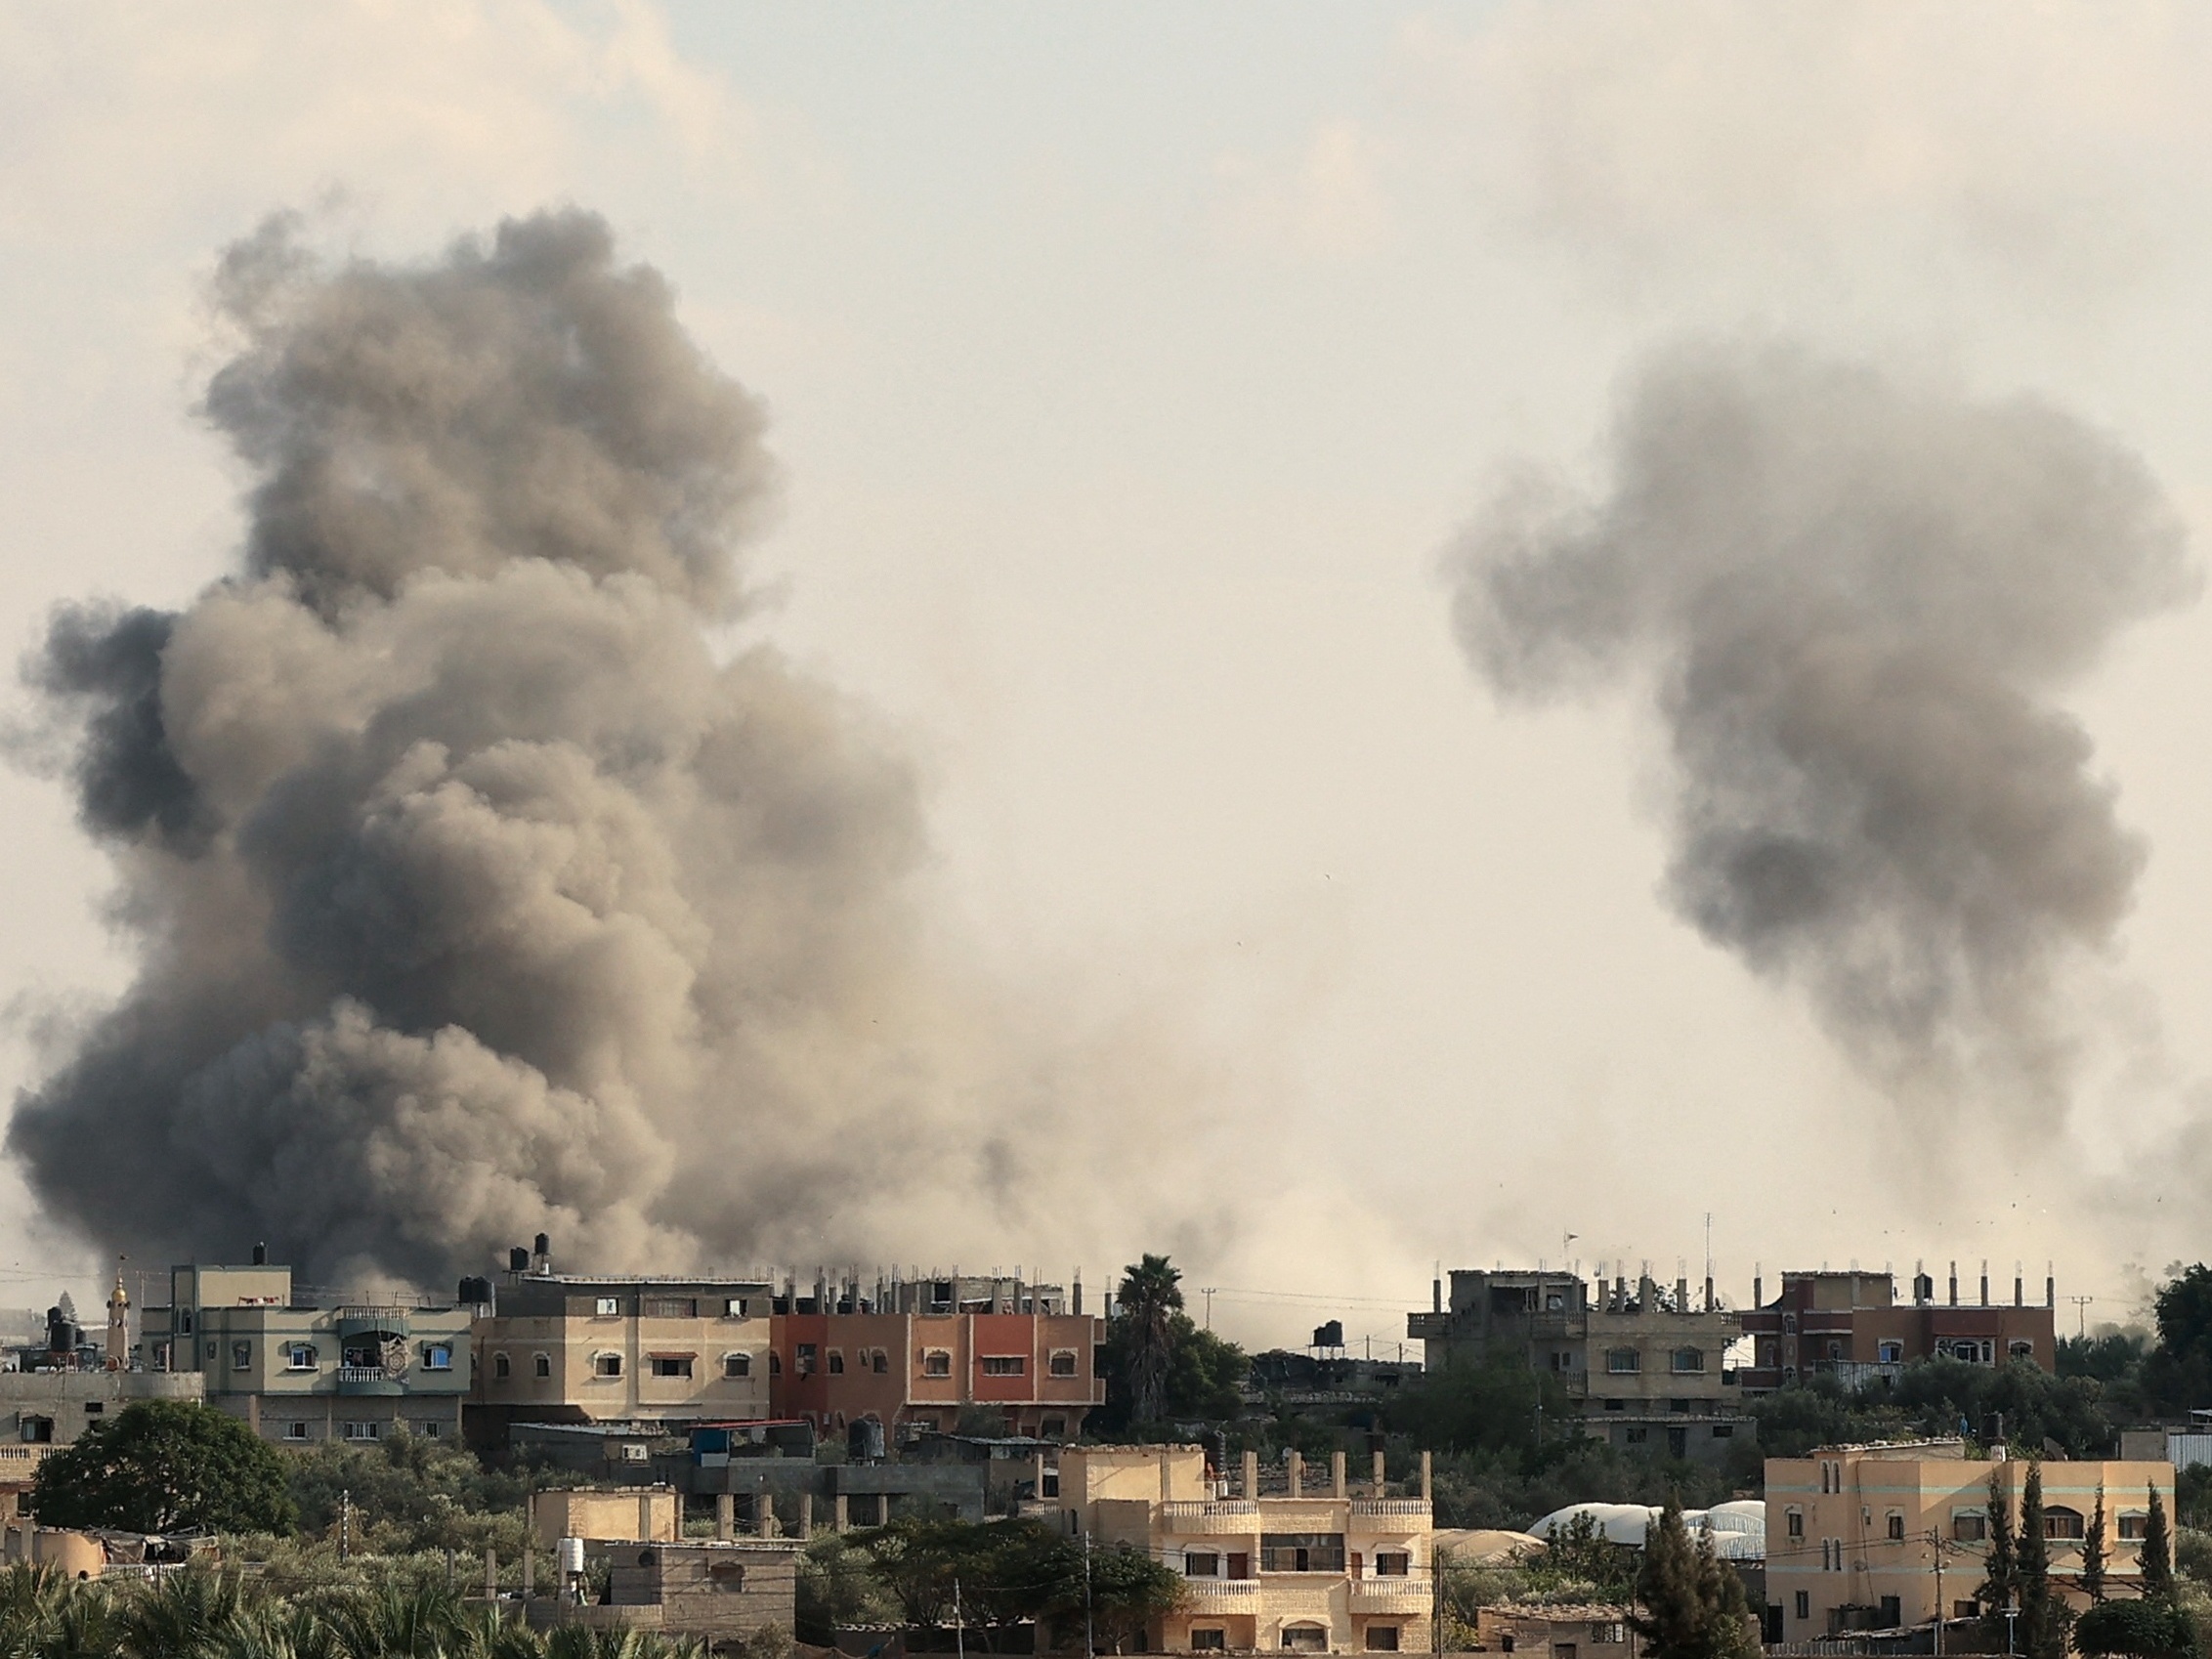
point(1390, 1596)
point(1182, 1515)
point(1393, 1509)
point(370, 1374)
point(1219, 1592)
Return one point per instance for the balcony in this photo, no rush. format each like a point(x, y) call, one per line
point(370, 1380)
point(1221, 1594)
point(1390, 1596)
point(1233, 1516)
point(1390, 1509)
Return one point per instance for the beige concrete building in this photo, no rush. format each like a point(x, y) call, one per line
point(1884, 1536)
point(301, 1366)
point(42, 1411)
point(1641, 1364)
point(1531, 1631)
point(1309, 1571)
point(564, 1349)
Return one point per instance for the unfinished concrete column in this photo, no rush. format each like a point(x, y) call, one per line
point(529, 1570)
point(1298, 1474)
point(491, 1574)
point(645, 1515)
point(1250, 1475)
point(1379, 1476)
point(806, 1514)
point(1037, 1477)
point(764, 1515)
point(1167, 1489)
point(1428, 1481)
point(725, 1517)
point(1337, 1474)
point(841, 1514)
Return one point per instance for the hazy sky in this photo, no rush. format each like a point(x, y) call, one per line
point(1131, 368)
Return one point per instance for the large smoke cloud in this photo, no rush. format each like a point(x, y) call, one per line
point(1857, 601)
point(473, 894)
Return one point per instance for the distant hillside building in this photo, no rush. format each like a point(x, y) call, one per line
point(303, 1366)
point(1642, 1365)
point(1850, 1326)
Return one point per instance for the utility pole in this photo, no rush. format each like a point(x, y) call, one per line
point(1089, 1641)
point(959, 1634)
point(2081, 1314)
point(1207, 1291)
point(345, 1521)
point(1936, 1549)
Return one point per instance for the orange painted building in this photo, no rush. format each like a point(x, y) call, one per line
point(915, 1372)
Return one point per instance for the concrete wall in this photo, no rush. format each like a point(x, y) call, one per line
point(643, 1514)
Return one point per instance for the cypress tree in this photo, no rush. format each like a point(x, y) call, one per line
point(1672, 1620)
point(2042, 1634)
point(2157, 1554)
point(2093, 1554)
point(1729, 1631)
point(2002, 1579)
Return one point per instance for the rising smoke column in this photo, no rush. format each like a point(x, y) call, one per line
point(472, 894)
point(1855, 603)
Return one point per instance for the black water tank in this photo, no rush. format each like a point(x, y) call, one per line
point(261, 1255)
point(1329, 1336)
point(475, 1291)
point(544, 1245)
point(518, 1261)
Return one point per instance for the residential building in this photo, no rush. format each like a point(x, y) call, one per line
point(1537, 1630)
point(1851, 1325)
point(631, 1351)
point(43, 1410)
point(1321, 1572)
point(1641, 1366)
point(301, 1366)
point(1321, 1378)
point(916, 1374)
point(1884, 1536)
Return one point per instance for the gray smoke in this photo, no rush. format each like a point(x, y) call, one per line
point(1855, 601)
point(473, 895)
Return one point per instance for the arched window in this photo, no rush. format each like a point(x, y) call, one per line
point(542, 1364)
point(2059, 1521)
point(606, 1363)
point(736, 1365)
point(1688, 1359)
point(775, 1363)
point(502, 1367)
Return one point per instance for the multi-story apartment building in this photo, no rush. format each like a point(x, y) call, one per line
point(1321, 1572)
point(1642, 1365)
point(915, 1372)
point(669, 1351)
point(1885, 1537)
point(303, 1367)
point(1851, 1325)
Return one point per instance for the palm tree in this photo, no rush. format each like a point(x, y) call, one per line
point(1149, 1301)
point(186, 1615)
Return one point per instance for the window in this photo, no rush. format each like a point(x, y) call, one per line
point(1684, 1360)
point(1890, 1353)
point(1383, 1638)
point(809, 1357)
point(95, 1408)
point(735, 1307)
point(1966, 1609)
point(1680, 1405)
point(1305, 1638)
point(295, 1431)
point(241, 1356)
point(1615, 1632)
point(880, 1364)
point(1063, 1362)
point(1897, 1525)
point(1302, 1553)
point(671, 1307)
point(37, 1431)
point(727, 1575)
point(736, 1365)
point(1616, 1405)
point(1789, 1324)
point(1793, 1523)
point(605, 1364)
point(1002, 1365)
point(362, 1430)
point(1391, 1563)
point(2020, 1351)
point(2132, 1525)
point(1723, 1431)
point(1834, 1351)
point(607, 1307)
point(936, 1362)
point(542, 1364)
point(1052, 1429)
point(500, 1367)
point(1636, 1434)
point(1972, 1526)
point(1893, 1611)
point(1210, 1641)
point(1805, 1603)
point(437, 1356)
point(1240, 1563)
point(2059, 1521)
point(837, 1362)
point(671, 1365)
point(300, 1357)
point(775, 1363)
point(1200, 1563)
point(432, 1431)
point(1622, 1361)
point(185, 1323)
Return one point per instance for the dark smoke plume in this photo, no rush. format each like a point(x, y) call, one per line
point(1857, 601)
point(473, 894)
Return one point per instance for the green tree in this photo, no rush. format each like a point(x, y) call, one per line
point(2042, 1623)
point(1581, 1553)
point(2158, 1552)
point(1126, 1590)
point(1690, 1605)
point(1491, 1407)
point(2150, 1630)
point(2093, 1552)
point(2000, 1582)
point(166, 1466)
point(1148, 1299)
